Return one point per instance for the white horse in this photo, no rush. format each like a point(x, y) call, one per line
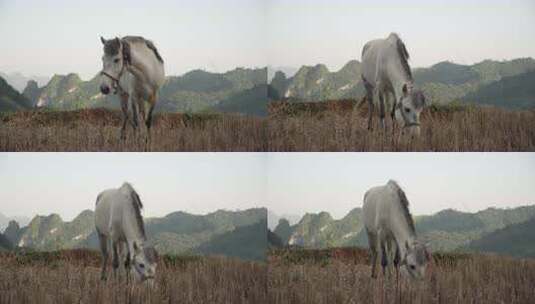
point(391, 232)
point(120, 227)
point(385, 70)
point(132, 68)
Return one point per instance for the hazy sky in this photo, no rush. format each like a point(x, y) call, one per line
point(60, 36)
point(463, 31)
point(67, 183)
point(336, 182)
point(286, 183)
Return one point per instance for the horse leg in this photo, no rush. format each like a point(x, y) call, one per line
point(115, 260)
point(124, 108)
point(382, 109)
point(103, 240)
point(397, 259)
point(152, 103)
point(372, 241)
point(382, 247)
point(369, 98)
point(134, 121)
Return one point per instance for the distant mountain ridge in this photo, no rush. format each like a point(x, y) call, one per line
point(194, 91)
point(221, 232)
point(19, 81)
point(446, 230)
point(442, 83)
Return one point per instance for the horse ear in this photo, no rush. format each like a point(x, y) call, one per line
point(405, 89)
point(102, 40)
point(136, 247)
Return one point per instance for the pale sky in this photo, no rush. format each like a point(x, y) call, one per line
point(67, 183)
point(464, 31)
point(60, 36)
point(286, 183)
point(336, 182)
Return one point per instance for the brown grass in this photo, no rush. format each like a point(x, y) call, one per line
point(324, 126)
point(318, 127)
point(343, 276)
point(74, 277)
point(98, 130)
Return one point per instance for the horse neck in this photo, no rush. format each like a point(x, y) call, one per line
point(130, 226)
point(398, 77)
point(402, 231)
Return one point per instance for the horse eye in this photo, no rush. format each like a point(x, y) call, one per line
point(412, 267)
point(407, 110)
point(116, 60)
point(142, 265)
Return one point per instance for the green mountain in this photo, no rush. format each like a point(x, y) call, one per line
point(178, 232)
point(10, 99)
point(517, 240)
point(501, 83)
point(5, 244)
point(19, 81)
point(192, 92)
point(245, 242)
point(516, 92)
point(445, 231)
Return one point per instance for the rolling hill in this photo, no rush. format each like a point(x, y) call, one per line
point(195, 91)
point(221, 232)
point(446, 230)
point(516, 240)
point(500, 83)
point(10, 99)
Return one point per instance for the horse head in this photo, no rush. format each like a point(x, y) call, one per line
point(415, 261)
point(409, 108)
point(144, 261)
point(114, 61)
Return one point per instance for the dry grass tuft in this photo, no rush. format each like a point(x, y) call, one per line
point(343, 276)
point(74, 277)
point(98, 130)
point(327, 127)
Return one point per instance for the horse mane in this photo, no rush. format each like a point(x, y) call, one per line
point(403, 54)
point(404, 202)
point(138, 206)
point(147, 42)
point(364, 49)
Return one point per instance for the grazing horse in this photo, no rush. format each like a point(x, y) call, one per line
point(385, 70)
point(132, 68)
point(120, 227)
point(391, 232)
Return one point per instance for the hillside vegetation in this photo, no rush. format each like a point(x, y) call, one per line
point(501, 83)
point(240, 234)
point(447, 230)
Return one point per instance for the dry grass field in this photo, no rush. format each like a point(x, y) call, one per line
point(342, 275)
point(74, 277)
point(339, 126)
point(98, 130)
point(325, 126)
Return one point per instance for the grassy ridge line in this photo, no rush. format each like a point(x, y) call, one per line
point(73, 276)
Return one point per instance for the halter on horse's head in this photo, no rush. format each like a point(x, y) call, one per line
point(116, 60)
